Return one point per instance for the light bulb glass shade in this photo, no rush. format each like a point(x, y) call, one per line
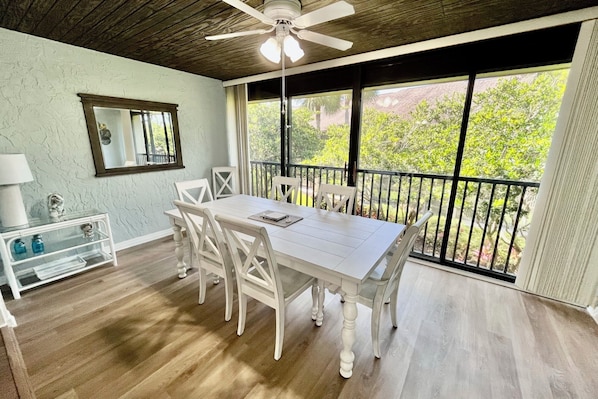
point(292, 49)
point(14, 169)
point(271, 50)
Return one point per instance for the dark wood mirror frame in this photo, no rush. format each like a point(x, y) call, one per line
point(90, 101)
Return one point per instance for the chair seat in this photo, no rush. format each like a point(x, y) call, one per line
point(369, 286)
point(291, 280)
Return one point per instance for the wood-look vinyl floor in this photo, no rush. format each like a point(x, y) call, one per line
point(136, 331)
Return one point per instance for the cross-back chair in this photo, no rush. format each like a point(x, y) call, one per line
point(259, 275)
point(337, 198)
point(284, 188)
point(194, 191)
point(224, 181)
point(384, 281)
point(210, 249)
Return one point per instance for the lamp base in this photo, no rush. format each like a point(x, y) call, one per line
point(12, 210)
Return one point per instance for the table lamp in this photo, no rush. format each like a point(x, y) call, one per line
point(14, 170)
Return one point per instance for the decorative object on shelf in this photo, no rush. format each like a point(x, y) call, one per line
point(87, 229)
point(37, 244)
point(13, 172)
point(105, 135)
point(18, 247)
point(55, 206)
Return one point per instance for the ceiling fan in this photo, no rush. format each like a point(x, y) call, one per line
point(285, 17)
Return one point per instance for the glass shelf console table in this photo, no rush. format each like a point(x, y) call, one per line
point(75, 243)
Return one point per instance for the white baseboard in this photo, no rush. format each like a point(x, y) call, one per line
point(593, 312)
point(143, 239)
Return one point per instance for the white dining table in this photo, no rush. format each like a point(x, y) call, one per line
point(341, 250)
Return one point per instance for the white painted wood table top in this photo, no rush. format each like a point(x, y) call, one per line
point(338, 248)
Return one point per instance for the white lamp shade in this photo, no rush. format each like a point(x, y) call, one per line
point(271, 50)
point(292, 49)
point(14, 169)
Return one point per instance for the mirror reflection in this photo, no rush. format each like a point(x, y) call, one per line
point(131, 136)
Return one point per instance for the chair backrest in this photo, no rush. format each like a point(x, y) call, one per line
point(194, 191)
point(336, 198)
point(394, 267)
point(284, 187)
point(255, 264)
point(205, 234)
point(224, 181)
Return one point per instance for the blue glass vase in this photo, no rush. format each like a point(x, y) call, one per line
point(37, 244)
point(18, 246)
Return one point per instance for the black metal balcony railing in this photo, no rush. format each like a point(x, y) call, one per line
point(144, 159)
point(486, 232)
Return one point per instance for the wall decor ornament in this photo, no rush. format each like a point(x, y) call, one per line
point(55, 206)
point(105, 135)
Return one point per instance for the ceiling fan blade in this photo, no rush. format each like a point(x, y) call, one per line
point(251, 11)
point(238, 34)
point(328, 13)
point(324, 40)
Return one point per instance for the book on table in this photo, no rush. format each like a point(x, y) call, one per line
point(274, 216)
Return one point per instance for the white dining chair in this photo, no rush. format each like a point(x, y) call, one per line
point(337, 198)
point(284, 188)
point(194, 191)
point(259, 276)
point(224, 181)
point(210, 249)
point(383, 283)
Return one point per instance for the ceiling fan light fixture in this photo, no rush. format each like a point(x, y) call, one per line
point(271, 50)
point(292, 49)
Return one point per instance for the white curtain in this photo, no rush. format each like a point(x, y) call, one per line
point(236, 103)
point(560, 260)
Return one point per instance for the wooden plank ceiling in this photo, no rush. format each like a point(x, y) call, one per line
point(171, 33)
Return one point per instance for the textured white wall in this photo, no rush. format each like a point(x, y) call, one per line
point(42, 117)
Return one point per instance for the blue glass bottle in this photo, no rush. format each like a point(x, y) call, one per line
point(37, 244)
point(18, 246)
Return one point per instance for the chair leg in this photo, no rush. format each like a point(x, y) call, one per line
point(375, 327)
point(321, 294)
point(202, 285)
point(279, 332)
point(228, 293)
point(393, 306)
point(314, 300)
point(190, 265)
point(242, 313)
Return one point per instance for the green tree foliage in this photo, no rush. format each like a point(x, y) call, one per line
point(511, 126)
point(306, 140)
point(264, 131)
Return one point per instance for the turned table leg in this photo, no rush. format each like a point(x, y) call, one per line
point(348, 334)
point(179, 251)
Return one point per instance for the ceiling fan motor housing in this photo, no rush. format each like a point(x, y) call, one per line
point(285, 10)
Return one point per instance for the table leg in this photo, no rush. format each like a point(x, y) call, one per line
point(179, 251)
point(348, 334)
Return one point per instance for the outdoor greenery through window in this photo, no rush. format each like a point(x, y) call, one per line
point(408, 158)
point(412, 128)
point(264, 131)
point(320, 129)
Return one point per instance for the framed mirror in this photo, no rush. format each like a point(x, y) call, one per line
point(131, 136)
